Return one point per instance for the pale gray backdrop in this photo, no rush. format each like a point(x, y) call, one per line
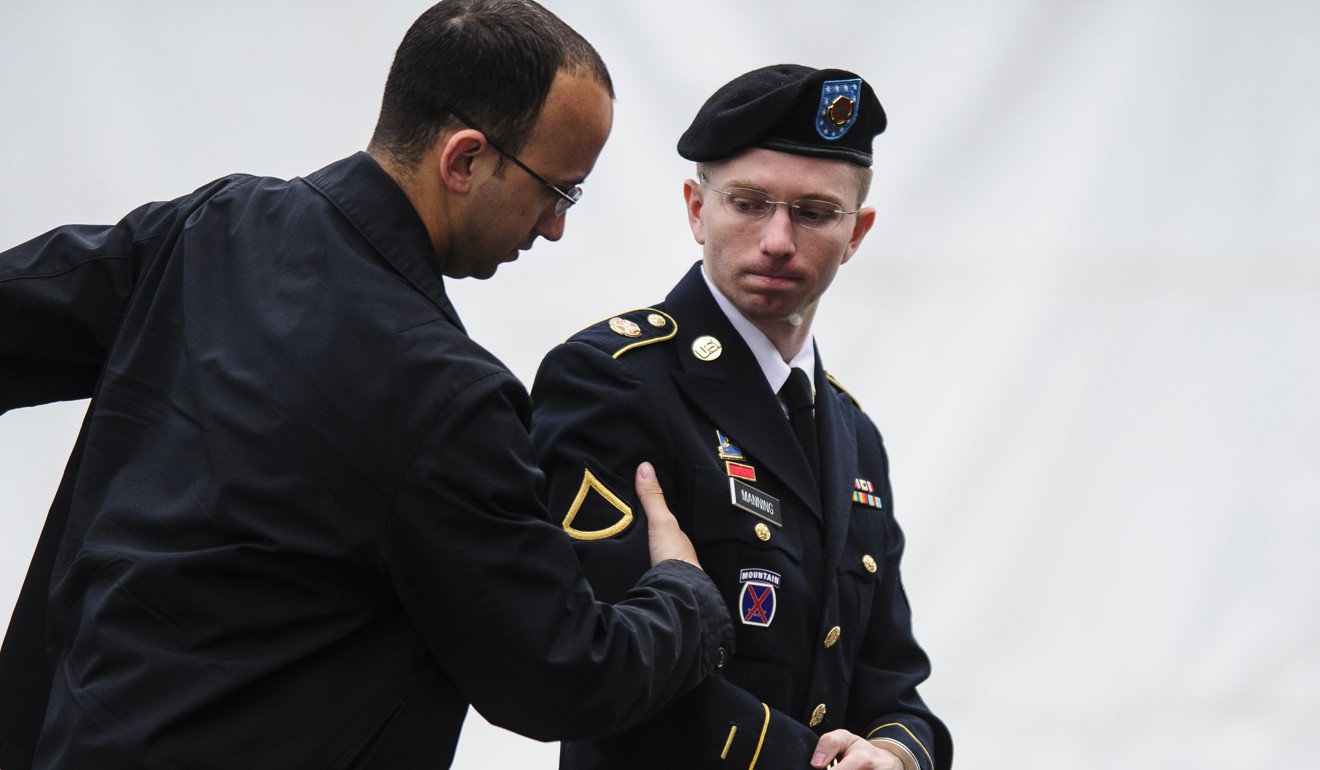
point(1086, 320)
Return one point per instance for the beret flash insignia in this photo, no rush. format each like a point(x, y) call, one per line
point(838, 107)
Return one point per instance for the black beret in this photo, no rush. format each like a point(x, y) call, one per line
point(827, 113)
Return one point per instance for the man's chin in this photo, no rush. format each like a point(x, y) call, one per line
point(483, 270)
point(489, 270)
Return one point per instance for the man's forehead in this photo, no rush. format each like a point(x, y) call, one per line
point(756, 166)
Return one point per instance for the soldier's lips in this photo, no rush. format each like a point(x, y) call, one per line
point(774, 280)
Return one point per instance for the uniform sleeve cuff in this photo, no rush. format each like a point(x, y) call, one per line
point(913, 749)
point(903, 752)
point(717, 625)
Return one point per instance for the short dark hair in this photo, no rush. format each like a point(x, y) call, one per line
point(492, 60)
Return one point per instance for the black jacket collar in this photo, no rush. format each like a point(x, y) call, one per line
point(378, 208)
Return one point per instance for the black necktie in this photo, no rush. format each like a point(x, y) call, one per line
point(796, 393)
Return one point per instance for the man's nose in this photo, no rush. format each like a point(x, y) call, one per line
point(551, 225)
point(777, 235)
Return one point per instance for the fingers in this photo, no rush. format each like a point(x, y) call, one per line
point(648, 487)
point(830, 745)
point(666, 539)
point(842, 749)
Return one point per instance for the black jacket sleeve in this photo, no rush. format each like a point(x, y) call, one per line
point(539, 655)
point(64, 293)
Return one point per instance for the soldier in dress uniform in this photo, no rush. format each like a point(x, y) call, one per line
point(776, 473)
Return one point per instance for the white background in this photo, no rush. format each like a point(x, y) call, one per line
point(1087, 321)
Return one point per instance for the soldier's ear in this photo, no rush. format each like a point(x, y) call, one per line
point(692, 198)
point(861, 226)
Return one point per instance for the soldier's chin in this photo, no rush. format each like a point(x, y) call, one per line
point(482, 272)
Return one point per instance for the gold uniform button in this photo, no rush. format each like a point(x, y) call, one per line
point(868, 563)
point(817, 716)
point(762, 532)
point(832, 637)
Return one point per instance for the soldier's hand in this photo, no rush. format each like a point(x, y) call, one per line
point(846, 751)
point(666, 539)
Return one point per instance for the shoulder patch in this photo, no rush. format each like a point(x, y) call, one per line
point(839, 386)
point(630, 330)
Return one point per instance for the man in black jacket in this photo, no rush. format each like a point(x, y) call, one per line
point(301, 524)
point(772, 467)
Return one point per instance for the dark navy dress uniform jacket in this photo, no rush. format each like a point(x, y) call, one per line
point(830, 645)
point(301, 525)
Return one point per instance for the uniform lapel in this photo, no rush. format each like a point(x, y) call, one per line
point(732, 392)
point(836, 426)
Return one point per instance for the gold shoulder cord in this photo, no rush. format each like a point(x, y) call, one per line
point(844, 390)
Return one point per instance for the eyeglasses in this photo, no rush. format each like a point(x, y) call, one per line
point(566, 197)
point(749, 204)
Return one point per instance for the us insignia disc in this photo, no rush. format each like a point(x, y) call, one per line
point(706, 348)
point(656, 320)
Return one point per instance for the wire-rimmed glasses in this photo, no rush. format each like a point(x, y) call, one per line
point(566, 197)
point(811, 213)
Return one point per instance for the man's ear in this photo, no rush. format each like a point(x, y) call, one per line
point(456, 159)
point(863, 224)
point(692, 197)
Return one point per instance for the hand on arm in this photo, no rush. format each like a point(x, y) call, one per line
point(848, 751)
point(666, 539)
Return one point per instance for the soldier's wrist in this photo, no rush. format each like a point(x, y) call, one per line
point(903, 753)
